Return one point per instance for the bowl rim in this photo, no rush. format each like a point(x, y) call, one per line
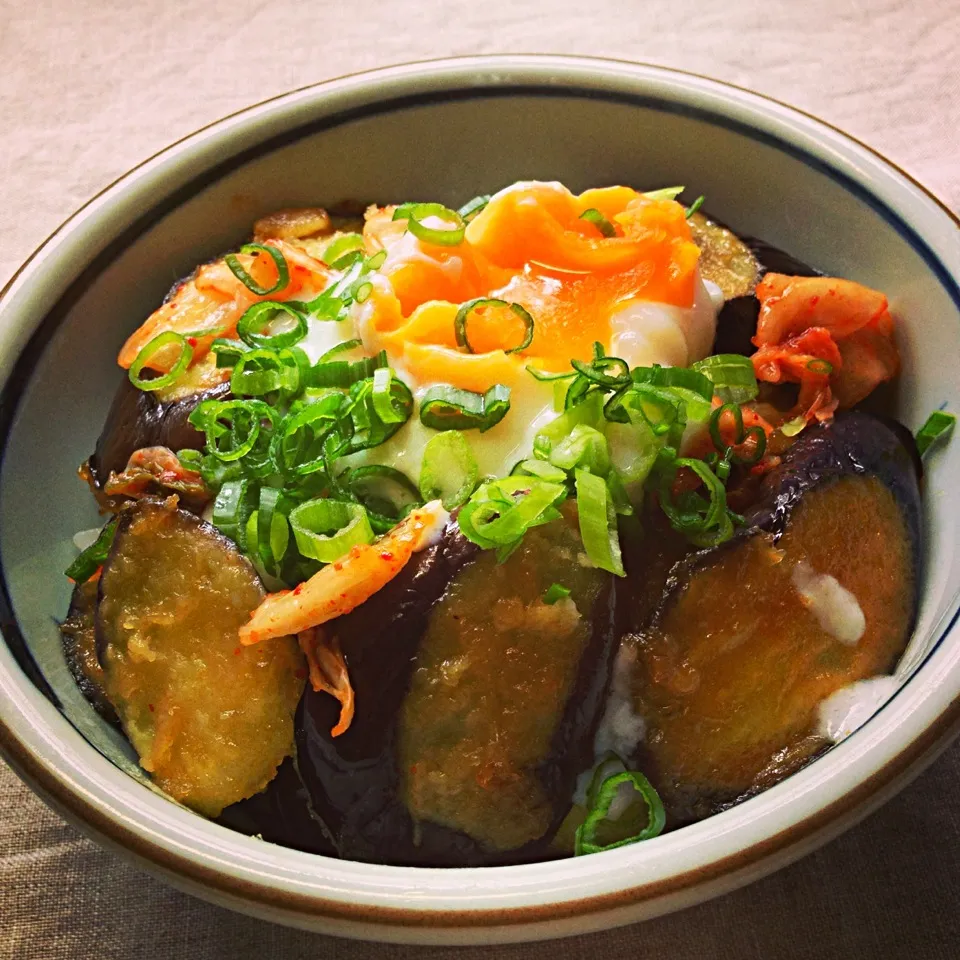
point(33, 752)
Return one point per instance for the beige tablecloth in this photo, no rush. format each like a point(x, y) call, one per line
point(87, 89)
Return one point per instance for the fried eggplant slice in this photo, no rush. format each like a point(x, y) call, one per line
point(724, 258)
point(138, 419)
point(819, 590)
point(210, 719)
point(476, 705)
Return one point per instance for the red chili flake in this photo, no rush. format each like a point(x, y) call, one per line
point(297, 589)
point(814, 301)
point(386, 555)
point(338, 566)
point(192, 341)
point(236, 651)
point(150, 705)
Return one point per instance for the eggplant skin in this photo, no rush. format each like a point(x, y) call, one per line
point(78, 636)
point(737, 320)
point(855, 443)
point(138, 419)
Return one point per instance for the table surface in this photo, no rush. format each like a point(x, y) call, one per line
point(91, 88)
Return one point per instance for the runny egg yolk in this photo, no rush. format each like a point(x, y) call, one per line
point(529, 246)
point(638, 294)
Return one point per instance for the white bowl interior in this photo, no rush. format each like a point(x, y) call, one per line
point(830, 205)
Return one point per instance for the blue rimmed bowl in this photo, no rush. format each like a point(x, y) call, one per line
point(448, 130)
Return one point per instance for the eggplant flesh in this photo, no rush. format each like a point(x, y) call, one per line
point(210, 719)
point(138, 419)
point(818, 590)
point(476, 705)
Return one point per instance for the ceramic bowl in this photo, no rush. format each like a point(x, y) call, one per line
point(447, 130)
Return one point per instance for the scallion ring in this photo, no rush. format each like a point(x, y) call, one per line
point(444, 407)
point(595, 217)
point(740, 437)
point(555, 592)
point(338, 248)
point(325, 529)
point(94, 557)
point(448, 470)
point(162, 341)
point(598, 832)
point(487, 303)
point(279, 261)
point(938, 427)
point(473, 207)
point(266, 315)
point(446, 236)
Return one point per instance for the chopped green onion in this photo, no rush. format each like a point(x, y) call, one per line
point(375, 262)
point(590, 412)
point(302, 441)
point(732, 375)
point(695, 206)
point(939, 427)
point(94, 557)
point(161, 342)
point(368, 429)
point(280, 262)
point(325, 530)
point(447, 236)
point(595, 217)
point(262, 316)
point(545, 376)
point(232, 427)
point(500, 512)
point(272, 530)
point(344, 347)
point(387, 494)
point(705, 522)
point(382, 398)
point(597, 372)
point(598, 523)
point(335, 250)
point(362, 293)
point(664, 193)
point(822, 367)
point(486, 303)
point(232, 509)
point(448, 470)
point(228, 352)
point(259, 372)
point(591, 834)
point(792, 427)
point(402, 212)
point(444, 407)
point(344, 373)
point(741, 435)
point(472, 207)
point(684, 378)
point(555, 592)
point(584, 447)
point(542, 469)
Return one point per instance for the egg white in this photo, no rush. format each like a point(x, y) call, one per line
point(644, 332)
